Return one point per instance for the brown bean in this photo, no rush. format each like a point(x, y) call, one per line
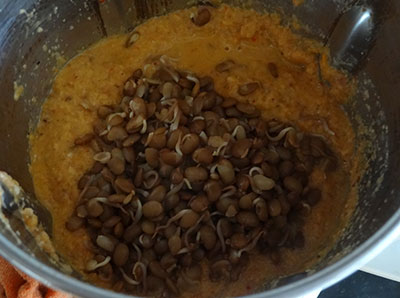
point(197, 126)
point(131, 140)
point(102, 157)
point(247, 109)
point(257, 158)
point(138, 177)
point(240, 163)
point(130, 85)
point(81, 211)
point(188, 219)
point(284, 153)
point(185, 83)
point(248, 219)
point(74, 223)
point(198, 254)
point(189, 143)
point(158, 193)
point(270, 171)
point(161, 247)
point(134, 124)
point(117, 133)
point(199, 203)
point(233, 112)
point(213, 190)
point(152, 209)
point(293, 184)
point(91, 192)
point(157, 270)
point(241, 148)
point(261, 210)
point(121, 254)
point(118, 230)
point(174, 244)
point(147, 241)
point(198, 104)
point(273, 69)
point(263, 183)
point(154, 95)
point(242, 183)
point(224, 203)
point(173, 138)
point(151, 156)
point(208, 237)
point(293, 198)
point(226, 171)
point(104, 111)
point(105, 273)
point(231, 211)
point(167, 261)
point(116, 165)
point(99, 126)
point(116, 198)
point(171, 202)
point(226, 227)
point(274, 207)
point(285, 168)
point(170, 157)
point(129, 154)
point(248, 88)
point(272, 156)
point(238, 240)
point(209, 99)
point(148, 227)
point(94, 208)
point(114, 119)
point(124, 184)
point(83, 181)
point(159, 139)
point(95, 223)
point(148, 255)
point(224, 66)
point(105, 243)
point(246, 201)
point(112, 221)
point(170, 230)
point(203, 156)
point(176, 176)
point(196, 174)
point(202, 17)
point(85, 139)
point(132, 232)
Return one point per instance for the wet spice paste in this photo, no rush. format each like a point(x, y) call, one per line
point(205, 137)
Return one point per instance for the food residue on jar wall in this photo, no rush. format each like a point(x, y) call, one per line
point(282, 63)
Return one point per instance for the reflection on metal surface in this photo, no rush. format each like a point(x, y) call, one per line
point(352, 38)
point(13, 199)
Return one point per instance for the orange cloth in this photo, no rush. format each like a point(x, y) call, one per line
point(16, 284)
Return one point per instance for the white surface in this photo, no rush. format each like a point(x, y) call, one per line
point(387, 263)
point(314, 294)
